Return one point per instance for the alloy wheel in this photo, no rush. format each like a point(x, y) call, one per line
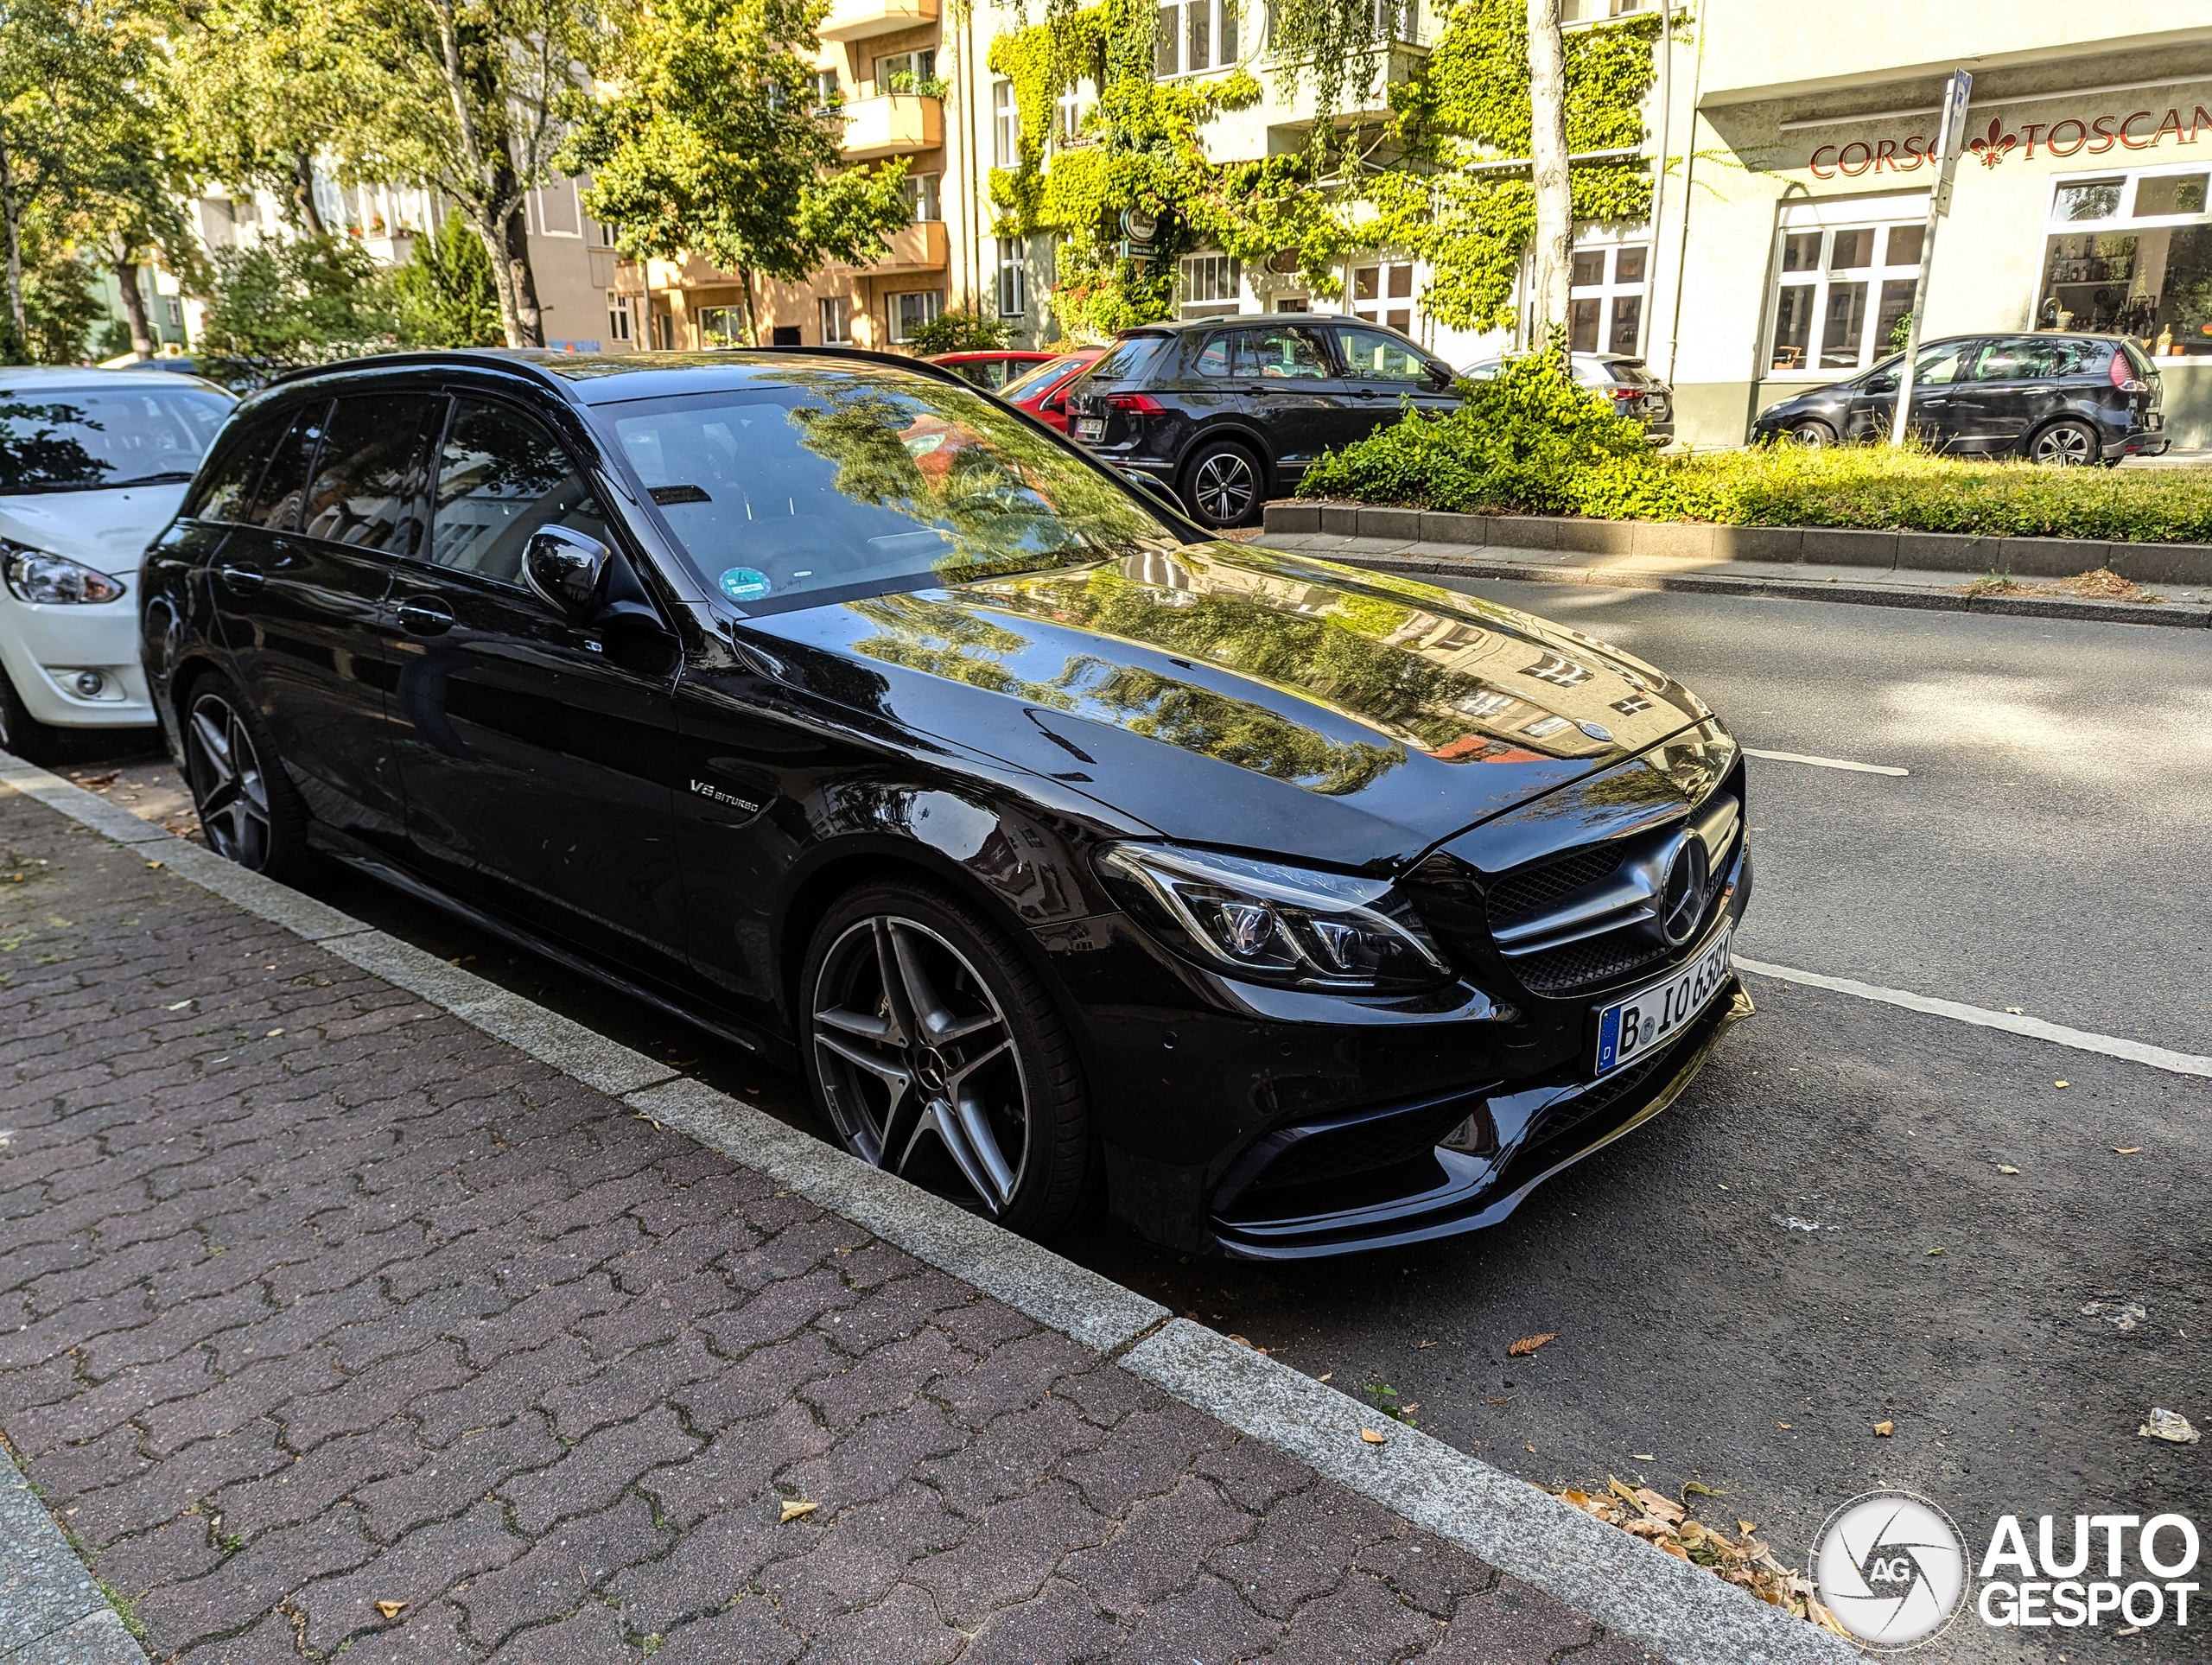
point(2065, 445)
point(227, 783)
point(917, 1065)
point(1225, 485)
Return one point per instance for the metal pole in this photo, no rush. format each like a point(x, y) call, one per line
point(1659, 180)
point(1682, 232)
point(1949, 140)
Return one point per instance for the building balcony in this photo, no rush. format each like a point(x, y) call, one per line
point(894, 124)
point(922, 246)
point(858, 20)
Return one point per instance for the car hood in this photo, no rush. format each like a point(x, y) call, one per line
point(107, 530)
point(1235, 697)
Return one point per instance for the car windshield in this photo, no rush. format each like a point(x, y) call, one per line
point(860, 479)
point(1022, 386)
point(74, 439)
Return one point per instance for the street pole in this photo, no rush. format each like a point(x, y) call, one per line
point(1659, 177)
point(1949, 139)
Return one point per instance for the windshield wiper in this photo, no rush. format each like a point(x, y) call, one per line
point(30, 487)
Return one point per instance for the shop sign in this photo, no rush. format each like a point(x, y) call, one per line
point(2072, 137)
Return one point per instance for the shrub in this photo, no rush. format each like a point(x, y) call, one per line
point(1532, 444)
point(299, 302)
point(444, 295)
point(959, 332)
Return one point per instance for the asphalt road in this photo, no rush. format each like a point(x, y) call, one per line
point(1741, 1289)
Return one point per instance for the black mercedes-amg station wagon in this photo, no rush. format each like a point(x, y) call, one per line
point(863, 720)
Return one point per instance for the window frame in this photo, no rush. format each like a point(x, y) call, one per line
point(892, 325)
point(1215, 12)
point(584, 464)
point(2126, 220)
point(1011, 280)
point(1006, 126)
point(1825, 218)
point(1610, 290)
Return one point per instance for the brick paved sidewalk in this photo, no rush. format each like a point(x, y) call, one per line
point(329, 1321)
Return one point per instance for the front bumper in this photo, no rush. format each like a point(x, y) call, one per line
point(45, 648)
point(1200, 1087)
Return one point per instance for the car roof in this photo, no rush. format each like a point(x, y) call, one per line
point(1232, 319)
point(61, 375)
point(993, 353)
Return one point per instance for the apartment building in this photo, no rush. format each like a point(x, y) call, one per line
point(1793, 245)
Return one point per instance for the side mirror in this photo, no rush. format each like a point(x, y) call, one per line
point(1883, 385)
point(1053, 407)
point(565, 568)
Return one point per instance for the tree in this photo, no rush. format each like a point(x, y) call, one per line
point(265, 87)
point(1550, 275)
point(475, 98)
point(274, 304)
point(712, 145)
point(444, 294)
point(51, 57)
point(959, 331)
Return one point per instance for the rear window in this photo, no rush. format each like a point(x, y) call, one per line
point(1632, 373)
point(1125, 358)
point(2141, 360)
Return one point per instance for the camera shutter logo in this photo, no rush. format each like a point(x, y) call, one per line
point(1892, 1568)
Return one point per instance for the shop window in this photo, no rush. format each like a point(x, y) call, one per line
point(905, 313)
point(2132, 255)
point(1842, 293)
point(1604, 308)
point(836, 314)
point(1194, 35)
point(1384, 294)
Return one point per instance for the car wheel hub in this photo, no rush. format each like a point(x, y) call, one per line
point(227, 783)
point(918, 1064)
point(1223, 485)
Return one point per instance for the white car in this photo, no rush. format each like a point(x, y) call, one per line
point(92, 465)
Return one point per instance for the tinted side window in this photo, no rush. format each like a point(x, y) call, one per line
point(1371, 355)
point(224, 489)
point(1282, 353)
point(284, 483)
point(501, 476)
point(369, 481)
point(2023, 359)
point(1213, 358)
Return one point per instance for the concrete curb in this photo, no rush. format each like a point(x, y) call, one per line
point(1685, 1613)
point(52, 1612)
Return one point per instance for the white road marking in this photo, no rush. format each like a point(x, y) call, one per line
point(1825, 763)
point(2135, 1051)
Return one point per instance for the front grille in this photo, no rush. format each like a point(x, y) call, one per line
point(1379, 1141)
point(1563, 1118)
point(1586, 964)
point(1528, 893)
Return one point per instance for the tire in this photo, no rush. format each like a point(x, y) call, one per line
point(24, 734)
point(250, 811)
point(2066, 443)
point(934, 1051)
point(1813, 435)
point(1224, 484)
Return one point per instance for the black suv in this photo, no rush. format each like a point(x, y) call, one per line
point(1229, 411)
point(2060, 399)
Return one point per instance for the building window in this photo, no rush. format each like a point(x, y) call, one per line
point(2131, 254)
point(908, 71)
point(827, 98)
point(1597, 11)
point(1842, 290)
point(921, 194)
point(1070, 108)
point(1604, 308)
point(1384, 294)
point(907, 313)
point(1195, 34)
point(836, 320)
point(721, 327)
point(175, 308)
point(1014, 279)
point(1006, 126)
point(618, 319)
point(1211, 284)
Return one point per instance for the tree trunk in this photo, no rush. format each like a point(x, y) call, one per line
point(527, 328)
point(134, 308)
point(11, 213)
point(303, 202)
point(494, 236)
point(752, 323)
point(1552, 253)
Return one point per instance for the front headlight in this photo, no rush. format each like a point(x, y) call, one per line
point(1270, 923)
point(34, 575)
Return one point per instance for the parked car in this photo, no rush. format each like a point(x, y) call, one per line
point(1629, 382)
point(1042, 391)
point(992, 370)
point(92, 465)
point(833, 704)
point(1230, 411)
point(2061, 399)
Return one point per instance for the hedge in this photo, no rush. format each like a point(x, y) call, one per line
point(1531, 442)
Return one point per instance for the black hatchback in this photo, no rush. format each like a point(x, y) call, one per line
point(2060, 399)
point(1228, 412)
point(1064, 849)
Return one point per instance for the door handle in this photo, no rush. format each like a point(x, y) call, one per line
point(1368, 392)
point(240, 581)
point(425, 618)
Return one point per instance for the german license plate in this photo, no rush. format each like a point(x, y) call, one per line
point(1091, 428)
point(1631, 1028)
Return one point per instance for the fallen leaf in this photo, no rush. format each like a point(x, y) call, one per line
point(391, 1609)
point(1702, 1489)
point(2126, 1150)
point(1240, 1341)
point(793, 1508)
point(2061, 1084)
point(178, 1007)
point(1626, 1494)
point(272, 1034)
point(1935, 1251)
point(1373, 1437)
point(2006, 1167)
point(1503, 1399)
point(1642, 1456)
point(1658, 1506)
point(1528, 1344)
point(1673, 1548)
point(1885, 1429)
point(1325, 1375)
point(153, 864)
point(2170, 1425)
point(1746, 1527)
point(1782, 1425)
point(1528, 1448)
point(1424, 1343)
point(1826, 1620)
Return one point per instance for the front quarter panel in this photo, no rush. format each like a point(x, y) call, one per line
point(172, 619)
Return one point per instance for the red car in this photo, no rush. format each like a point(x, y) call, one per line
point(991, 371)
point(1043, 391)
